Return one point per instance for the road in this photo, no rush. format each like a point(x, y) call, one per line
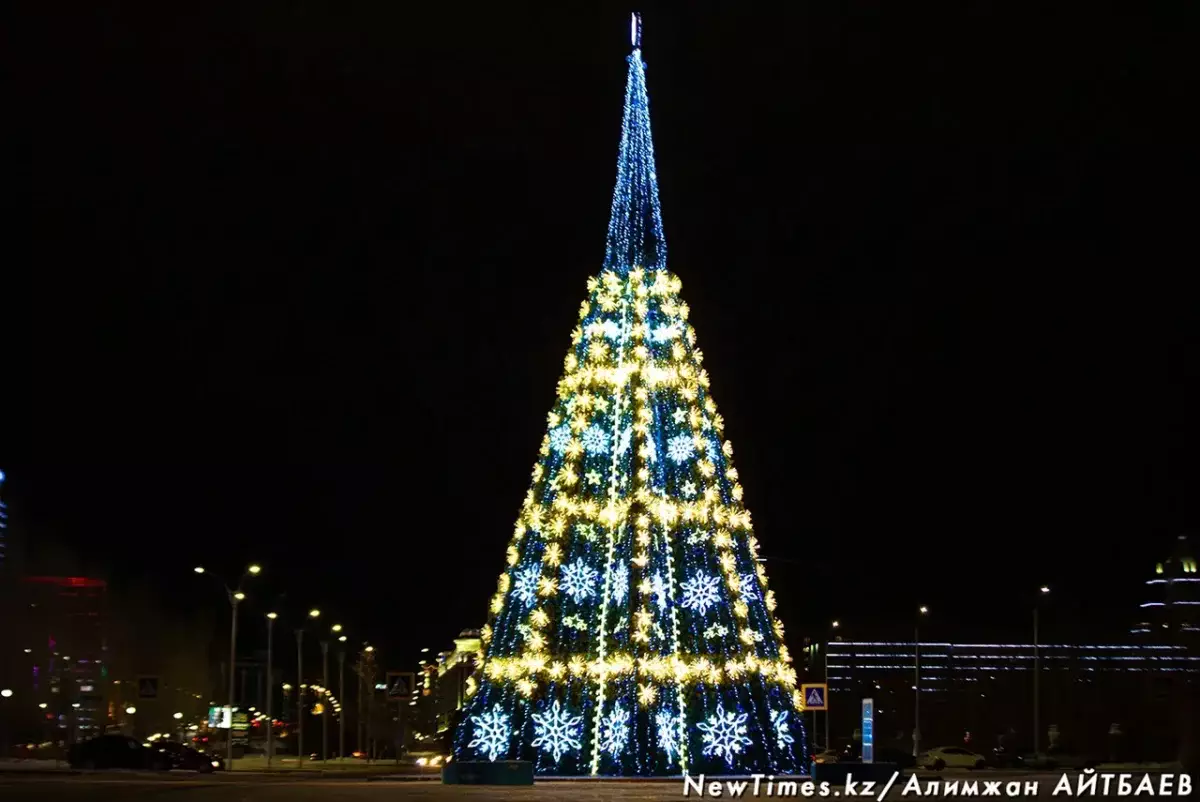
point(102, 787)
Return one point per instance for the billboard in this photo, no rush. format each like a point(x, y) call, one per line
point(220, 718)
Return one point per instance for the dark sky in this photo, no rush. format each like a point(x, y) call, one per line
point(302, 278)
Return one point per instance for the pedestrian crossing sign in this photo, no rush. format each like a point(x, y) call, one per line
point(147, 687)
point(816, 696)
point(401, 685)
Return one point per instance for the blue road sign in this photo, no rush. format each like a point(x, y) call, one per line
point(815, 696)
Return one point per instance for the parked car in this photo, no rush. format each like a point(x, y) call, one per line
point(950, 757)
point(827, 756)
point(185, 757)
point(900, 758)
point(116, 752)
point(1007, 758)
point(1061, 758)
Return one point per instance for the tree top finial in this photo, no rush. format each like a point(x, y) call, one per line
point(635, 30)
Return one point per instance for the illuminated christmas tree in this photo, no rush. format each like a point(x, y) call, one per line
point(632, 631)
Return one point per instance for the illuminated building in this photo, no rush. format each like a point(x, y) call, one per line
point(455, 674)
point(986, 689)
point(63, 621)
point(1173, 596)
point(3, 524)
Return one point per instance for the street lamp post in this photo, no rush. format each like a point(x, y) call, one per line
point(834, 625)
point(235, 597)
point(325, 712)
point(1037, 672)
point(922, 610)
point(314, 613)
point(270, 687)
point(342, 698)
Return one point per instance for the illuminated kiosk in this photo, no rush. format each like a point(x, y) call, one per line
point(632, 632)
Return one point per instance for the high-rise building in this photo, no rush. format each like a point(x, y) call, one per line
point(3, 523)
point(1172, 604)
point(64, 643)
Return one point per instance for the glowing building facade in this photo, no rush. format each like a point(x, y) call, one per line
point(1172, 606)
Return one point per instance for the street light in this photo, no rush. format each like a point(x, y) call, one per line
point(1037, 689)
point(270, 685)
point(336, 628)
point(922, 610)
point(131, 710)
point(42, 706)
point(314, 613)
point(235, 596)
point(6, 693)
point(178, 716)
point(832, 625)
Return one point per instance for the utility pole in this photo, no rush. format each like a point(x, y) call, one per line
point(917, 681)
point(1037, 674)
point(270, 687)
point(342, 699)
point(325, 713)
point(300, 696)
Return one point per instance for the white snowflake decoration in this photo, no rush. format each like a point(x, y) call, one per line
point(624, 440)
point(614, 730)
point(610, 329)
point(688, 489)
point(525, 584)
point(681, 447)
point(748, 587)
point(779, 725)
point(663, 334)
point(651, 451)
point(560, 438)
point(620, 583)
point(557, 730)
point(659, 588)
point(701, 592)
point(595, 441)
point(491, 733)
point(724, 734)
point(579, 580)
point(667, 725)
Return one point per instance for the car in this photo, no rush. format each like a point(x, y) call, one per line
point(1007, 758)
point(950, 757)
point(827, 756)
point(186, 758)
point(900, 758)
point(116, 752)
point(1061, 758)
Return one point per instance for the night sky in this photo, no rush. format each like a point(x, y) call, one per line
point(301, 280)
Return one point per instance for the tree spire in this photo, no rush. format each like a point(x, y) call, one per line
point(635, 232)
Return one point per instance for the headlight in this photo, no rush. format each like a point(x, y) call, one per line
point(216, 764)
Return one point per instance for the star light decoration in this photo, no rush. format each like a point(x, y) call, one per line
point(724, 734)
point(557, 731)
point(492, 733)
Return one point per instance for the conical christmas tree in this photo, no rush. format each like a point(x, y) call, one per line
point(632, 632)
